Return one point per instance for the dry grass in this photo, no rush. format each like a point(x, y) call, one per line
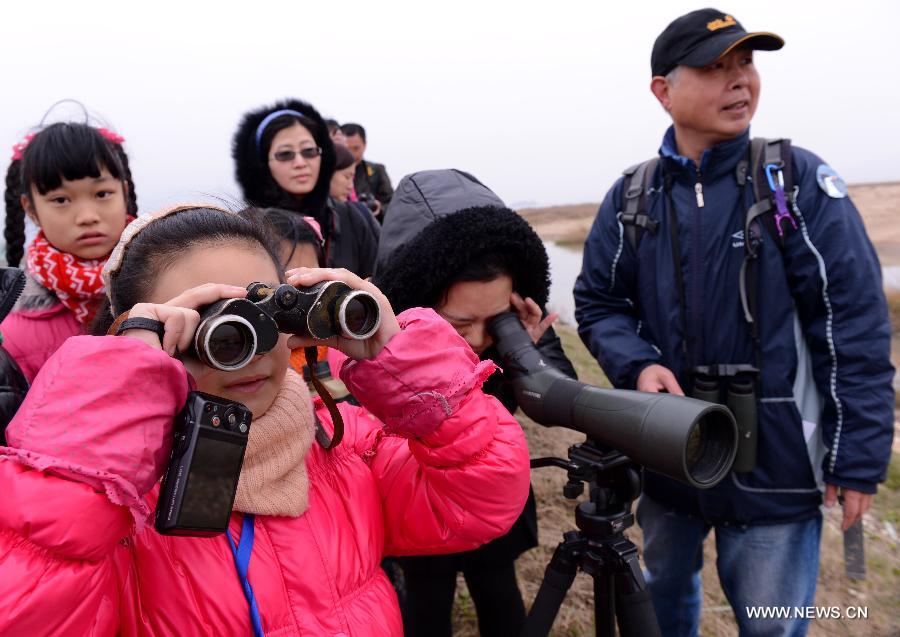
point(879, 592)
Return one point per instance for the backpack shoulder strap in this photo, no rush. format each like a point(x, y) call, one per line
point(634, 201)
point(765, 152)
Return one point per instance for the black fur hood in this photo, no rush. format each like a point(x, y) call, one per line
point(252, 170)
point(440, 220)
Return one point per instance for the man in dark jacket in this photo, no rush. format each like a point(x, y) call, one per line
point(451, 244)
point(371, 181)
point(665, 313)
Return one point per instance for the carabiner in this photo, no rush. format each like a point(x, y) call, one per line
point(769, 169)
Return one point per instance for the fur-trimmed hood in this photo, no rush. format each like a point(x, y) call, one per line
point(441, 220)
point(35, 296)
point(252, 168)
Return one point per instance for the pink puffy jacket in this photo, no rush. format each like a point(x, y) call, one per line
point(31, 336)
point(433, 465)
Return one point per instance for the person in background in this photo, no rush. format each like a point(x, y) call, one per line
point(344, 168)
point(451, 244)
point(284, 158)
point(372, 184)
point(334, 130)
point(74, 182)
point(299, 241)
point(784, 313)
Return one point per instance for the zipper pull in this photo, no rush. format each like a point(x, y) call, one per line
point(698, 190)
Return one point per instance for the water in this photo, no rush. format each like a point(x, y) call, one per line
point(891, 276)
point(565, 265)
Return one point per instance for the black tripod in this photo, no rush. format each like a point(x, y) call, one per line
point(599, 547)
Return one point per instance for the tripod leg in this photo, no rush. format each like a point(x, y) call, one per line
point(557, 580)
point(604, 604)
point(634, 605)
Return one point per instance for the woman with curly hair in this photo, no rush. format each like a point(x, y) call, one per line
point(451, 244)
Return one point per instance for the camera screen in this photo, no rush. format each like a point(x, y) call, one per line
point(211, 484)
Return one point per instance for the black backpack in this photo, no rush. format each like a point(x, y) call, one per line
point(763, 152)
point(764, 155)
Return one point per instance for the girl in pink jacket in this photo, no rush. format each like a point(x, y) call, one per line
point(74, 182)
point(429, 465)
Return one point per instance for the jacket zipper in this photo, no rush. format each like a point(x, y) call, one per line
point(695, 272)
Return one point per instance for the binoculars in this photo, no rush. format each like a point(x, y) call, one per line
point(233, 331)
point(740, 398)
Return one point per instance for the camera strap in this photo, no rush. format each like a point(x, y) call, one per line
point(242, 554)
point(337, 420)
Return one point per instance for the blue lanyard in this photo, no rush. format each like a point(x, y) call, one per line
point(242, 562)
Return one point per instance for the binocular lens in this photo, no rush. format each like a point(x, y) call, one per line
point(709, 446)
point(359, 315)
point(227, 342)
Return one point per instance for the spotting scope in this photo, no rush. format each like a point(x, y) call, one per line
point(689, 440)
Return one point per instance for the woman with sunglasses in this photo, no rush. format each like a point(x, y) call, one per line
point(284, 158)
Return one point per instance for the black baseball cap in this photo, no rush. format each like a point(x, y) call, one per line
point(701, 37)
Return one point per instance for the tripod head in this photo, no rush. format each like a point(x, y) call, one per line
point(599, 546)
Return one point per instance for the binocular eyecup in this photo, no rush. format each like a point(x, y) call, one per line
point(233, 331)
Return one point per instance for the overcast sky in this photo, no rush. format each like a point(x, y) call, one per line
point(545, 102)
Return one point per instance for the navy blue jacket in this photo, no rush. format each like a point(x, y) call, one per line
point(826, 396)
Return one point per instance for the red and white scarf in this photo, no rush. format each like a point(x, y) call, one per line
point(75, 281)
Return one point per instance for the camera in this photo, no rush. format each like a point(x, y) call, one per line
point(369, 200)
point(201, 479)
point(233, 331)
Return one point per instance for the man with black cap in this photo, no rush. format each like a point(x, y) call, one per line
point(738, 271)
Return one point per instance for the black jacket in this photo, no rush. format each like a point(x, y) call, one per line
point(13, 385)
point(372, 179)
point(438, 222)
point(351, 240)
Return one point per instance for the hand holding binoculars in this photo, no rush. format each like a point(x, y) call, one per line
point(233, 331)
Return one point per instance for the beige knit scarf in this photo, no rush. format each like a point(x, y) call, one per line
point(273, 477)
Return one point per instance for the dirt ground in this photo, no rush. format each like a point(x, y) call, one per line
point(879, 593)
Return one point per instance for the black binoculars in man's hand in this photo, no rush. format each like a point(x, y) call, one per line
point(686, 439)
point(233, 331)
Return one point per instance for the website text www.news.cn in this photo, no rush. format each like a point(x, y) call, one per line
point(807, 612)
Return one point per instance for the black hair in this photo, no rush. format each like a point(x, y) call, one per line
point(332, 125)
point(291, 227)
point(473, 244)
point(343, 158)
point(162, 242)
point(354, 129)
point(252, 166)
point(63, 150)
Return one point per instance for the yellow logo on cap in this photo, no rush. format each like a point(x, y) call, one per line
point(715, 25)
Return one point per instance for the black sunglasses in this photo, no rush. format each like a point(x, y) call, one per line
point(305, 153)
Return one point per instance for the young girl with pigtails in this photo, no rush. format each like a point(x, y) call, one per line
point(74, 182)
